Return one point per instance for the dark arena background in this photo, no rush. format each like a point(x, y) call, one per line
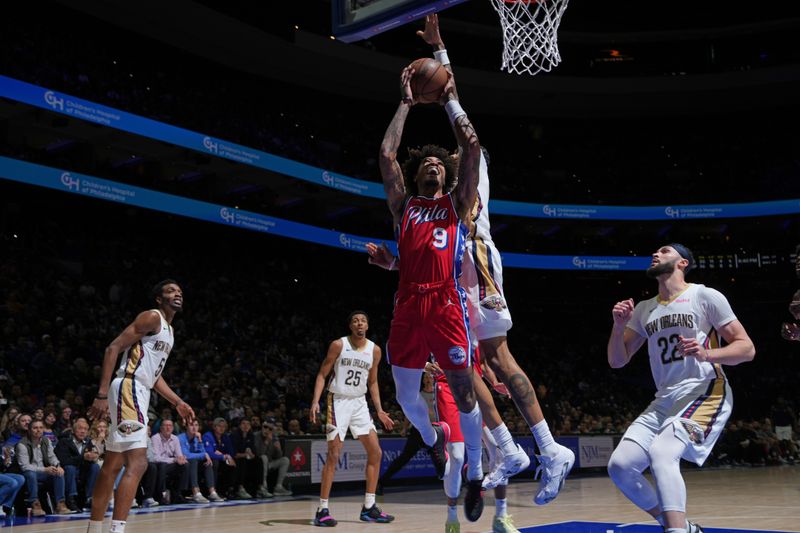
point(234, 147)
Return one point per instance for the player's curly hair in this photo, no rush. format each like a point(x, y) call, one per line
point(415, 158)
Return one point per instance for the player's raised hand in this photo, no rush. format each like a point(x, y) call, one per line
point(380, 255)
point(386, 420)
point(431, 34)
point(313, 412)
point(692, 348)
point(622, 312)
point(406, 95)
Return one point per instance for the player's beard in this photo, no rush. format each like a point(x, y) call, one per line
point(661, 268)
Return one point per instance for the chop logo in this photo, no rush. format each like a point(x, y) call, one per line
point(211, 145)
point(578, 262)
point(227, 215)
point(672, 213)
point(549, 211)
point(54, 101)
point(73, 184)
point(344, 240)
point(327, 178)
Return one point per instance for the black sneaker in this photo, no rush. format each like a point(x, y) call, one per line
point(72, 505)
point(473, 500)
point(323, 518)
point(439, 450)
point(374, 514)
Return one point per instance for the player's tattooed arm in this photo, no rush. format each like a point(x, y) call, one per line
point(466, 191)
point(391, 172)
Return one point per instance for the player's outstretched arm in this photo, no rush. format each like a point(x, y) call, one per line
point(623, 342)
point(380, 255)
point(466, 191)
point(391, 172)
point(334, 349)
point(375, 392)
point(432, 36)
point(146, 322)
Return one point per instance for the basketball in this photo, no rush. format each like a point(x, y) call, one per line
point(428, 81)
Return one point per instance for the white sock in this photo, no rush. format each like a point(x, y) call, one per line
point(452, 513)
point(541, 434)
point(369, 500)
point(504, 440)
point(95, 526)
point(500, 508)
point(117, 526)
point(471, 428)
point(676, 530)
point(323, 504)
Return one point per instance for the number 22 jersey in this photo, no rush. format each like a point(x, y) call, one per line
point(698, 312)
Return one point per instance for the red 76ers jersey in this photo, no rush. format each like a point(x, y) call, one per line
point(430, 240)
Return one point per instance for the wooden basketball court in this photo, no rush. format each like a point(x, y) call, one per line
point(741, 499)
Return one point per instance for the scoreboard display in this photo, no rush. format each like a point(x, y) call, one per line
point(742, 260)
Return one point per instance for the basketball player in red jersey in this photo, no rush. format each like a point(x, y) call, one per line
point(490, 320)
point(430, 314)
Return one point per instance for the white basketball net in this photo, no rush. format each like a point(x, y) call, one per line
point(530, 34)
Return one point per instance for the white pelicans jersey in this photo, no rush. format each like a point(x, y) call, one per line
point(351, 370)
point(698, 312)
point(145, 360)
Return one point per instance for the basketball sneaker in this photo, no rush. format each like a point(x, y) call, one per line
point(473, 500)
point(691, 527)
point(452, 527)
point(439, 449)
point(374, 514)
point(509, 466)
point(553, 472)
point(503, 524)
point(323, 518)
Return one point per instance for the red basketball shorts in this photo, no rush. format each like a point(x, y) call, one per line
point(430, 319)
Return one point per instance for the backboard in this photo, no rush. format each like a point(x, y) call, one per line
point(354, 20)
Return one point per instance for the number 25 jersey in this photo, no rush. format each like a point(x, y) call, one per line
point(351, 370)
point(430, 240)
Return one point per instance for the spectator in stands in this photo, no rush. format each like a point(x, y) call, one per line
point(37, 414)
point(49, 422)
point(79, 459)
point(294, 427)
point(173, 474)
point(39, 463)
point(150, 477)
point(98, 434)
point(248, 464)
point(166, 414)
point(784, 420)
point(195, 453)
point(268, 449)
point(6, 420)
point(65, 420)
point(19, 429)
point(10, 485)
point(219, 447)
